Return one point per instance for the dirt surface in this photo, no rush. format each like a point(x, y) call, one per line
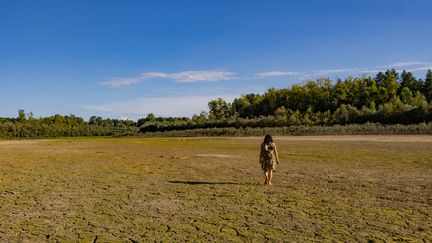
point(218, 155)
point(364, 138)
point(349, 188)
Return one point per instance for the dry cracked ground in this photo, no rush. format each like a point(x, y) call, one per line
point(210, 189)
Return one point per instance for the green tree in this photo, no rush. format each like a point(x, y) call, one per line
point(21, 115)
point(346, 114)
point(151, 117)
point(409, 81)
point(406, 95)
point(201, 118)
point(219, 109)
point(248, 106)
point(380, 78)
point(387, 86)
point(419, 101)
point(281, 113)
point(391, 83)
point(342, 92)
point(94, 120)
point(427, 88)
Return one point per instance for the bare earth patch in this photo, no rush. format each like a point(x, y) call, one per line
point(217, 155)
point(364, 138)
point(20, 141)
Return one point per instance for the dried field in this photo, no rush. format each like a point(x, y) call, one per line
point(350, 188)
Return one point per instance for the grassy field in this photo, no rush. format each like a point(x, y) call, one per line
point(364, 188)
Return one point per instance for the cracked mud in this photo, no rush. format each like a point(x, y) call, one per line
point(209, 189)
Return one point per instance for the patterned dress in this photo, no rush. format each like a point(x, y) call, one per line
point(268, 156)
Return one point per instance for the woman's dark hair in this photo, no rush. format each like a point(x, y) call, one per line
point(268, 139)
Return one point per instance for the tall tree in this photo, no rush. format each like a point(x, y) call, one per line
point(379, 78)
point(21, 115)
point(219, 109)
point(388, 87)
point(427, 88)
point(247, 106)
point(391, 82)
point(408, 80)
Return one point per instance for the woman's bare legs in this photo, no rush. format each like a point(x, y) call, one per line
point(266, 178)
point(270, 175)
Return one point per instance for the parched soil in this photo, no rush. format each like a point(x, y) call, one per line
point(363, 138)
point(345, 188)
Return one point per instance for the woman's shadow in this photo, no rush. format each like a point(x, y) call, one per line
point(205, 183)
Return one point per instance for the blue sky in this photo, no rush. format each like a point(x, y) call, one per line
point(128, 58)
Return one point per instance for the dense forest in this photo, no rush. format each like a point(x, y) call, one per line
point(388, 98)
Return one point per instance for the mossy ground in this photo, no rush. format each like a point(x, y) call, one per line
point(210, 189)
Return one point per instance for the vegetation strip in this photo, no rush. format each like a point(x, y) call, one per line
point(362, 104)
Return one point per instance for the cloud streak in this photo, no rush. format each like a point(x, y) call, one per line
point(408, 66)
point(217, 75)
point(179, 77)
point(276, 74)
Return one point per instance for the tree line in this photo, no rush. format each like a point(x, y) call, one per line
point(387, 98)
point(26, 126)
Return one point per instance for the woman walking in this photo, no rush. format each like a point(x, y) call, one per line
point(268, 158)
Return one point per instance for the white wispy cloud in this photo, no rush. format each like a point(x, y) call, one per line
point(179, 77)
point(160, 106)
point(276, 74)
point(418, 69)
point(120, 82)
point(310, 74)
point(218, 75)
point(405, 64)
point(196, 76)
point(412, 66)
